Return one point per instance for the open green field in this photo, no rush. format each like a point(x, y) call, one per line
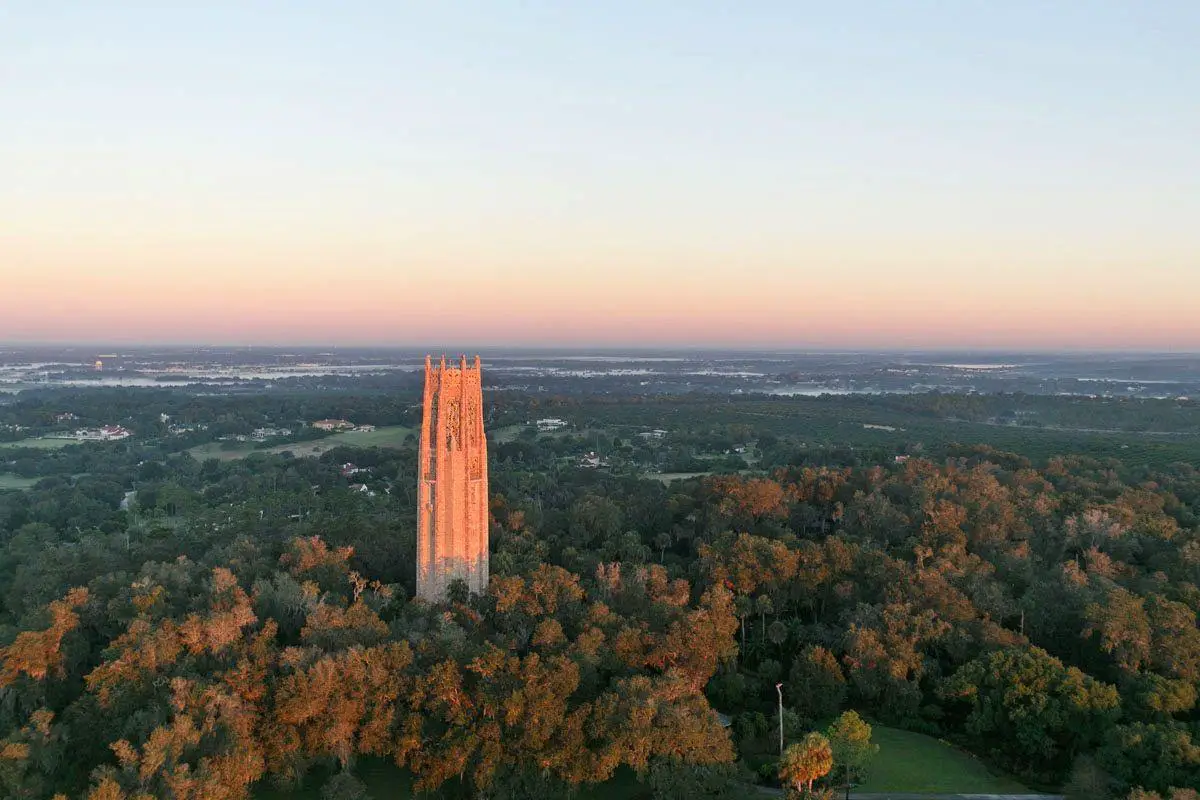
point(912, 762)
point(907, 762)
point(40, 444)
point(508, 433)
point(388, 436)
point(10, 481)
point(840, 421)
point(667, 477)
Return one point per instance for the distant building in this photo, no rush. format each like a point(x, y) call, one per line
point(262, 434)
point(657, 433)
point(332, 425)
point(365, 428)
point(65, 416)
point(550, 424)
point(109, 433)
point(901, 459)
point(591, 460)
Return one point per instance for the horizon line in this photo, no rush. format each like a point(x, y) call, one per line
point(605, 348)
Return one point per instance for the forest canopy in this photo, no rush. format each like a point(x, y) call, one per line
point(180, 628)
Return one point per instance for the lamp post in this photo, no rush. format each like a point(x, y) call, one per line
point(779, 689)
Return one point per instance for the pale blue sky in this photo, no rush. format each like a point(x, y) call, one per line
point(785, 155)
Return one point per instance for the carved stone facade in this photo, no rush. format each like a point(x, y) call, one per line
point(452, 485)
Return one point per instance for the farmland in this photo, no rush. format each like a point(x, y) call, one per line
point(38, 443)
point(10, 481)
point(390, 436)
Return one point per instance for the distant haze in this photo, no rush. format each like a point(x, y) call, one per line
point(788, 174)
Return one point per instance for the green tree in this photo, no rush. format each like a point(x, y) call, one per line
point(1030, 709)
point(777, 632)
point(1088, 781)
point(1151, 756)
point(816, 685)
point(764, 605)
point(850, 738)
point(670, 779)
point(344, 786)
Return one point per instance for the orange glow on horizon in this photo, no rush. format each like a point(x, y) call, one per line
point(404, 289)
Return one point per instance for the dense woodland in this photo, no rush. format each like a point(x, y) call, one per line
point(247, 622)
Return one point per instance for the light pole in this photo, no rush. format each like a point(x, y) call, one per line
point(779, 689)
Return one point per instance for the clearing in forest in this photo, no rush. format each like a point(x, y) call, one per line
point(11, 481)
point(390, 436)
point(913, 762)
point(38, 443)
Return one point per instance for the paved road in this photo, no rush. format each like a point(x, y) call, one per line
point(925, 795)
point(930, 796)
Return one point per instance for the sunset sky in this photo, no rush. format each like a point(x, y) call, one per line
point(782, 174)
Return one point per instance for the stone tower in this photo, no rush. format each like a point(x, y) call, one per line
point(452, 485)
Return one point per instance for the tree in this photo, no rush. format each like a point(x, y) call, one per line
point(670, 779)
point(805, 762)
point(742, 608)
point(850, 739)
point(1152, 756)
point(1027, 707)
point(1088, 781)
point(1122, 627)
point(662, 541)
point(764, 605)
point(816, 685)
point(344, 786)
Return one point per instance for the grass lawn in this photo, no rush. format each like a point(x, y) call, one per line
point(40, 444)
point(507, 433)
point(510, 433)
point(912, 762)
point(10, 481)
point(667, 477)
point(388, 436)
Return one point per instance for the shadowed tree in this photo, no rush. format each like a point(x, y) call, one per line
point(816, 684)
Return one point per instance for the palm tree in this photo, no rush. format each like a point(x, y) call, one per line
point(742, 608)
point(777, 632)
point(805, 762)
point(663, 541)
point(764, 605)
